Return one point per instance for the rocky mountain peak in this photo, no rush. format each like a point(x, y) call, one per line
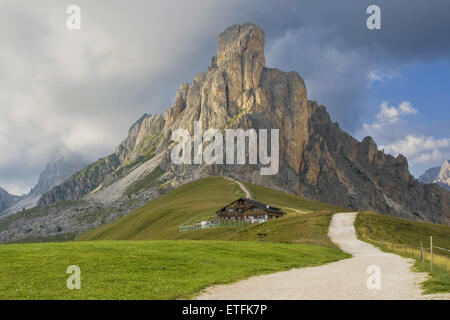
point(438, 175)
point(444, 174)
point(241, 41)
point(445, 167)
point(58, 170)
point(61, 167)
point(317, 159)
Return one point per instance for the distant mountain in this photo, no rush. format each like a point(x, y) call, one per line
point(58, 170)
point(438, 175)
point(429, 175)
point(444, 175)
point(7, 200)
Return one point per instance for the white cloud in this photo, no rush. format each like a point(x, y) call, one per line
point(392, 129)
point(406, 108)
point(374, 76)
point(380, 75)
point(82, 90)
point(388, 116)
point(420, 149)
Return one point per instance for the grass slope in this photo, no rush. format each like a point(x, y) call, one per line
point(161, 218)
point(287, 200)
point(379, 229)
point(309, 228)
point(144, 269)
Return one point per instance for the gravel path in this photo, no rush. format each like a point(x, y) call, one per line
point(345, 279)
point(248, 195)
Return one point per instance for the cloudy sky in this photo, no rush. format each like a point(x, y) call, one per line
point(80, 90)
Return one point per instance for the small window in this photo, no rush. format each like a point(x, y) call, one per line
point(230, 210)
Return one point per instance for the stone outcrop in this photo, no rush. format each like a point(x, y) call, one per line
point(142, 139)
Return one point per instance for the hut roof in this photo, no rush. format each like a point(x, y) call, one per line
point(257, 204)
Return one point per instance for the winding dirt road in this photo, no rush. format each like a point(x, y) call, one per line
point(343, 280)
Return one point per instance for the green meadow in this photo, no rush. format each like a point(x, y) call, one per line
point(144, 269)
point(143, 255)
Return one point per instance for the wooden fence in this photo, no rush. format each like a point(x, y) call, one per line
point(227, 223)
point(433, 255)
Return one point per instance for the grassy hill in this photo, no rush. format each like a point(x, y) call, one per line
point(164, 269)
point(378, 227)
point(144, 269)
point(161, 218)
point(403, 237)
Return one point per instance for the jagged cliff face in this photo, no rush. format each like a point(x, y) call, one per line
point(142, 139)
point(317, 159)
point(237, 91)
point(358, 175)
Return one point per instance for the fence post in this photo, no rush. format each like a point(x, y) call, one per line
point(431, 251)
point(421, 251)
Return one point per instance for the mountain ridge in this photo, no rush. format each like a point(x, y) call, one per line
point(317, 159)
point(58, 170)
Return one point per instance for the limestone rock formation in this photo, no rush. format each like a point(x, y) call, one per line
point(443, 177)
point(317, 159)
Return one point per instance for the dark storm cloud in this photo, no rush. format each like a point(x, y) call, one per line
point(81, 90)
point(328, 43)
